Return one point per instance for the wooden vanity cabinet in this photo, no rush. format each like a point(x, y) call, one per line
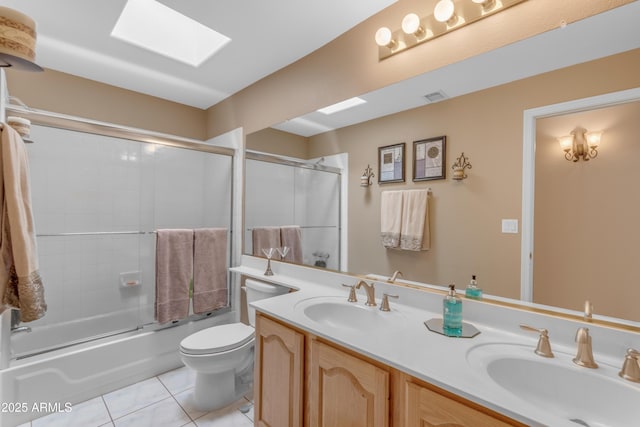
point(427, 406)
point(345, 390)
point(301, 380)
point(279, 375)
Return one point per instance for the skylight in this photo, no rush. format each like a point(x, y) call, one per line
point(160, 29)
point(352, 102)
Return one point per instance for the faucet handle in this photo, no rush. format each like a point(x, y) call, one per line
point(544, 346)
point(384, 305)
point(631, 366)
point(352, 293)
point(584, 356)
point(588, 311)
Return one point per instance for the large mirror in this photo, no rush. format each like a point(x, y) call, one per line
point(579, 238)
point(482, 116)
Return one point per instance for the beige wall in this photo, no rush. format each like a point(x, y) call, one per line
point(66, 94)
point(465, 216)
point(275, 141)
point(586, 215)
point(349, 65)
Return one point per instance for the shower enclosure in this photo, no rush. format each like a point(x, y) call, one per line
point(283, 191)
point(97, 201)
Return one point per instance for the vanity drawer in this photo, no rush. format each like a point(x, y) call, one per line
point(425, 407)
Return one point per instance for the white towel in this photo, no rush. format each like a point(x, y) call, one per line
point(391, 218)
point(414, 234)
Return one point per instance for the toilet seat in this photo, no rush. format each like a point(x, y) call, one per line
point(217, 339)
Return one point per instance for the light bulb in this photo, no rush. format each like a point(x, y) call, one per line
point(444, 10)
point(593, 138)
point(566, 142)
point(411, 24)
point(383, 37)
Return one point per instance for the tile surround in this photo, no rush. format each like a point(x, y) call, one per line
point(162, 401)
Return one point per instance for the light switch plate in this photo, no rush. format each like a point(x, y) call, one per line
point(510, 226)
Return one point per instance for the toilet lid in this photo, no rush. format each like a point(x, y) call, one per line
point(217, 339)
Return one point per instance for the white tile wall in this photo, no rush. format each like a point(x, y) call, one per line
point(91, 183)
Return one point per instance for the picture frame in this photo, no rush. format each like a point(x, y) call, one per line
point(429, 158)
point(391, 161)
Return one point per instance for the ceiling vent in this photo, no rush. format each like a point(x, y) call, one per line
point(435, 96)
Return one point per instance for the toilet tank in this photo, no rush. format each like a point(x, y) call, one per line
point(256, 290)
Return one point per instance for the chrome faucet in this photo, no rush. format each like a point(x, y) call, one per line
point(584, 357)
point(631, 366)
point(371, 293)
point(394, 276)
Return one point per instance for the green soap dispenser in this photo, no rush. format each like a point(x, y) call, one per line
point(452, 313)
point(473, 291)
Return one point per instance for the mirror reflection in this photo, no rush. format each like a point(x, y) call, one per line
point(292, 210)
point(467, 217)
point(585, 235)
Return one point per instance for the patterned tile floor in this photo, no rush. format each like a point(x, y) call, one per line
point(162, 401)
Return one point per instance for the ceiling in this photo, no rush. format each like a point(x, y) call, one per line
point(74, 37)
point(602, 35)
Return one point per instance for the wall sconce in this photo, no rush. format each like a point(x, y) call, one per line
point(459, 166)
point(448, 15)
point(365, 179)
point(580, 144)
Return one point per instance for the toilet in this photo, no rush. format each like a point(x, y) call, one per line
point(222, 356)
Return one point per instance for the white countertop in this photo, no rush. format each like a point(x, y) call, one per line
point(408, 345)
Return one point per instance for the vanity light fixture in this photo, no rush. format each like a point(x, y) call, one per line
point(448, 15)
point(580, 144)
point(365, 179)
point(459, 166)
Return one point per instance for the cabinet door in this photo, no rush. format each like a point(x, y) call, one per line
point(427, 408)
point(279, 375)
point(346, 391)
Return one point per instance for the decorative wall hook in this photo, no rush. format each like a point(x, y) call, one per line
point(459, 166)
point(365, 179)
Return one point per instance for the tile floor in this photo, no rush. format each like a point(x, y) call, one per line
point(162, 401)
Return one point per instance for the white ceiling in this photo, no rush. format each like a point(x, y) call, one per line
point(74, 37)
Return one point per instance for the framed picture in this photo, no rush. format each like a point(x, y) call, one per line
point(429, 158)
point(391, 163)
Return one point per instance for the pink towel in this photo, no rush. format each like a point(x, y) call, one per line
point(210, 269)
point(20, 283)
point(291, 236)
point(265, 238)
point(174, 269)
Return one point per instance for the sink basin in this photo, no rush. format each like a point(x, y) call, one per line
point(587, 397)
point(336, 312)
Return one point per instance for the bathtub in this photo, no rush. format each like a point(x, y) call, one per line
point(56, 380)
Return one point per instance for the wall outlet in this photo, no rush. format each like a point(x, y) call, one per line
point(510, 226)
